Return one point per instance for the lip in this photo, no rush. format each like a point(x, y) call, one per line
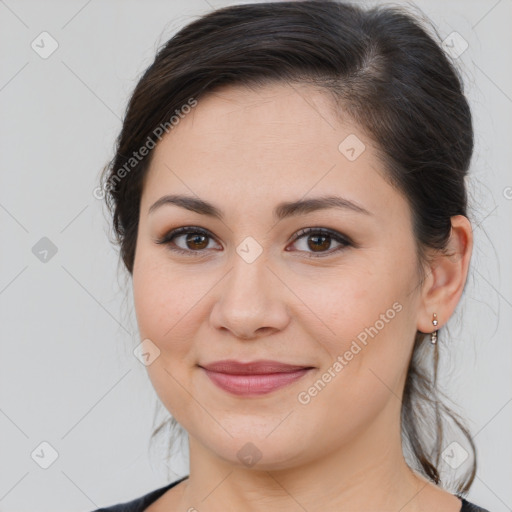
point(253, 378)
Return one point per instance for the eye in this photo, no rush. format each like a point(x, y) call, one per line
point(318, 239)
point(195, 239)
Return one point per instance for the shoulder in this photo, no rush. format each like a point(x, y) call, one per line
point(467, 506)
point(140, 504)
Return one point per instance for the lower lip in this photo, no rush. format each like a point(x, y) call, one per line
point(246, 385)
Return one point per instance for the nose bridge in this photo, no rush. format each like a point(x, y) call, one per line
point(250, 298)
point(249, 260)
point(247, 283)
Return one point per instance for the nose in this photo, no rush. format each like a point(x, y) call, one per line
point(251, 301)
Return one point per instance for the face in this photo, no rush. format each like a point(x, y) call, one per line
point(333, 289)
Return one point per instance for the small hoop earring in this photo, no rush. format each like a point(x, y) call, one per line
point(433, 335)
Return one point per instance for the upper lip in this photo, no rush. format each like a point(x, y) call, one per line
point(260, 367)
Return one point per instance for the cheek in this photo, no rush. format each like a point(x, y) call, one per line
point(148, 297)
point(340, 303)
point(367, 362)
point(366, 318)
point(161, 302)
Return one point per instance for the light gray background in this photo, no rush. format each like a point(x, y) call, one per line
point(67, 372)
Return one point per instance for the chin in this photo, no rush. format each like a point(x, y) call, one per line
point(259, 451)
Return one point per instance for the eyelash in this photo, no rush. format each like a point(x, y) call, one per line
point(167, 240)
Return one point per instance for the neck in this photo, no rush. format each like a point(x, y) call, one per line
point(367, 473)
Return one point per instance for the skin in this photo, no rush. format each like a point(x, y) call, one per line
point(245, 151)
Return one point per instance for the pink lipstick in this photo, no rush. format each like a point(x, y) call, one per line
point(253, 378)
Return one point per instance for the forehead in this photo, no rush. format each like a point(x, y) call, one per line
point(273, 143)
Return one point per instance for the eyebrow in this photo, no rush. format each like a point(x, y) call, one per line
point(281, 211)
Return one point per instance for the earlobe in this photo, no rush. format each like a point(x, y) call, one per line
point(446, 277)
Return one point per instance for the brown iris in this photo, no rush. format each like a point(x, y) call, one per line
point(316, 245)
point(195, 238)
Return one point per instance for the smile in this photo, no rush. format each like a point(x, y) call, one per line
point(256, 378)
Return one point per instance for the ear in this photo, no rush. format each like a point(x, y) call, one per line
point(446, 276)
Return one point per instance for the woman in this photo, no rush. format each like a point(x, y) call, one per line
point(288, 194)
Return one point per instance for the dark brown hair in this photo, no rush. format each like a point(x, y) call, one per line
point(392, 78)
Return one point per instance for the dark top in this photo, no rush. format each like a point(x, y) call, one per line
point(140, 504)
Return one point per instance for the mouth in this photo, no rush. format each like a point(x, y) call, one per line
point(253, 378)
